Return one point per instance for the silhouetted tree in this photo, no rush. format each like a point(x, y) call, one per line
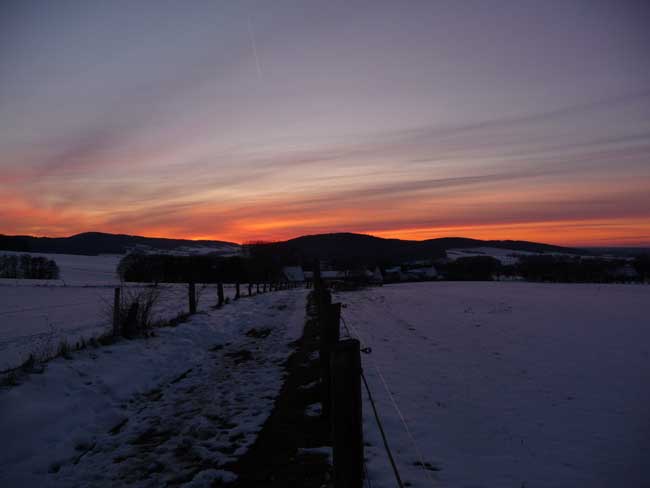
point(642, 266)
point(28, 267)
point(474, 268)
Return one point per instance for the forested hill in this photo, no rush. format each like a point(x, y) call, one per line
point(351, 247)
point(339, 246)
point(93, 243)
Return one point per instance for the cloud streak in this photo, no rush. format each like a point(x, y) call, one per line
point(410, 128)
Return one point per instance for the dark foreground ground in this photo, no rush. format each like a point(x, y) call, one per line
point(286, 452)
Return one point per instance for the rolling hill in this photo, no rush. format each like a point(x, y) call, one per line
point(93, 243)
point(364, 248)
point(338, 246)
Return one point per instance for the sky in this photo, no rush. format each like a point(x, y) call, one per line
point(265, 120)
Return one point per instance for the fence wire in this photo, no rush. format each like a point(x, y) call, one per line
point(395, 406)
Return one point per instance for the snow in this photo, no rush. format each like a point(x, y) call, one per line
point(506, 384)
point(314, 410)
point(505, 256)
point(175, 407)
point(36, 315)
point(79, 270)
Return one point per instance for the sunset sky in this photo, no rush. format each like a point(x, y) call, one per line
point(240, 120)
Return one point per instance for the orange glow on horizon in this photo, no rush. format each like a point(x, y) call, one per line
point(277, 222)
point(630, 232)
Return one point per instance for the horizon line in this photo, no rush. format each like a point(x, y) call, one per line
point(271, 241)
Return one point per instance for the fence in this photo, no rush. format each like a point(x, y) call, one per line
point(39, 318)
point(123, 324)
point(342, 377)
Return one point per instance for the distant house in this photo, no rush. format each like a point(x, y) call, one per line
point(294, 274)
point(422, 273)
point(325, 275)
point(348, 278)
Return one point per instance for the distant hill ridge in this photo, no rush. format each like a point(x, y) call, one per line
point(324, 246)
point(352, 246)
point(93, 243)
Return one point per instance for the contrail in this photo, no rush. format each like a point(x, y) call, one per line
point(254, 45)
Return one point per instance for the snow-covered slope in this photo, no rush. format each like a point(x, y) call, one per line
point(507, 384)
point(171, 408)
point(77, 270)
point(506, 256)
point(35, 316)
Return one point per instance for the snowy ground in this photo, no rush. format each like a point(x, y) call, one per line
point(36, 315)
point(507, 384)
point(505, 256)
point(173, 408)
point(80, 270)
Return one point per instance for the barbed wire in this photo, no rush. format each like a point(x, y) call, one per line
point(383, 434)
point(368, 349)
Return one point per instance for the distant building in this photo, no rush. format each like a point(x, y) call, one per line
point(422, 273)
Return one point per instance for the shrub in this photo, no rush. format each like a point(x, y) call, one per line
point(136, 311)
point(474, 268)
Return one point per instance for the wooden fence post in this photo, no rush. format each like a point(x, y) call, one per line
point(264, 287)
point(116, 313)
point(250, 289)
point(258, 288)
point(192, 297)
point(329, 336)
point(347, 428)
point(237, 291)
point(316, 274)
point(220, 294)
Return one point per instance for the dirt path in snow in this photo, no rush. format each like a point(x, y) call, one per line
point(292, 450)
point(192, 429)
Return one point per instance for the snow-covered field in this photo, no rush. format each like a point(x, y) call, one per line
point(507, 384)
point(505, 256)
point(170, 409)
point(79, 270)
point(36, 315)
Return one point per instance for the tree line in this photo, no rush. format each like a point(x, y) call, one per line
point(550, 268)
point(165, 268)
point(28, 267)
